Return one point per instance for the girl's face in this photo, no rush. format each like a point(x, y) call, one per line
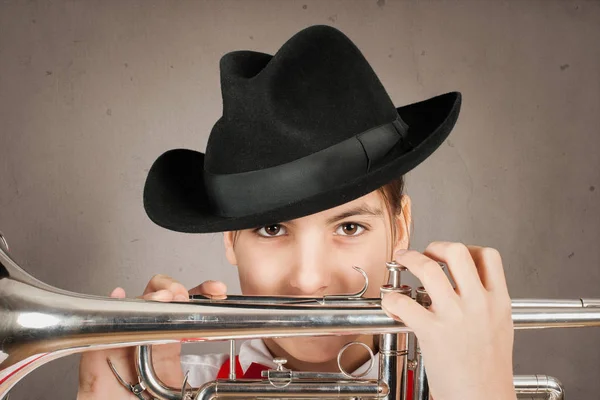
point(314, 256)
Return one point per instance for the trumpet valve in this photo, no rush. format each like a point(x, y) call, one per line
point(394, 280)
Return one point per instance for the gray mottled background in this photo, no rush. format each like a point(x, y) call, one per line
point(91, 92)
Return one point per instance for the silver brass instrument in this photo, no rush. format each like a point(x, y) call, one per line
point(40, 323)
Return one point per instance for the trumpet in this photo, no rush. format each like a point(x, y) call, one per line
point(40, 323)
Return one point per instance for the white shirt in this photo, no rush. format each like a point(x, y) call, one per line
point(204, 368)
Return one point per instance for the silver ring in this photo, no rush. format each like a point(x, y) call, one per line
point(346, 374)
point(289, 380)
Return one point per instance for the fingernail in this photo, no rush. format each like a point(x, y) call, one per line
point(401, 251)
point(161, 294)
point(181, 297)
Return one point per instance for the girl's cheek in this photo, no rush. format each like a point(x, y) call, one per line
point(371, 257)
point(364, 254)
point(260, 278)
point(262, 272)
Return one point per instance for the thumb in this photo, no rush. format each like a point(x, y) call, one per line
point(210, 288)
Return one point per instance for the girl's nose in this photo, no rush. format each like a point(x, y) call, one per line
point(309, 273)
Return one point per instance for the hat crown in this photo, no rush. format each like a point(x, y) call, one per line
point(316, 91)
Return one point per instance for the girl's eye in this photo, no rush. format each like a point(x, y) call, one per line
point(350, 229)
point(271, 230)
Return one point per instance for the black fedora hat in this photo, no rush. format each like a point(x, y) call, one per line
point(304, 130)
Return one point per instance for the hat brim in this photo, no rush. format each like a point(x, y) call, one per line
point(175, 197)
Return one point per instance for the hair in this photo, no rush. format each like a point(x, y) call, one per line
point(392, 194)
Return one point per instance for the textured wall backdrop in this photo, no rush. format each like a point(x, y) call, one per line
point(91, 92)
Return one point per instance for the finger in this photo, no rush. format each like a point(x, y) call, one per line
point(460, 265)
point(118, 293)
point(165, 282)
point(489, 266)
point(402, 308)
point(161, 295)
point(431, 276)
point(215, 289)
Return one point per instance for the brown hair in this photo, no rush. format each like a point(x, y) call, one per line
point(392, 194)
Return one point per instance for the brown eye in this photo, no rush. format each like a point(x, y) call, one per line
point(350, 229)
point(271, 230)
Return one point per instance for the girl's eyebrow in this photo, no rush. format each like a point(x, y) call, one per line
point(363, 209)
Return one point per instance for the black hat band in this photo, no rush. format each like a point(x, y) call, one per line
point(245, 193)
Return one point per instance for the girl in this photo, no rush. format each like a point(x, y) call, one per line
point(304, 175)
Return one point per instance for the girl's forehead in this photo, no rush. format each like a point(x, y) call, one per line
point(370, 205)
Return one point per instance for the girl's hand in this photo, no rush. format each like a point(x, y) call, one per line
point(466, 336)
point(97, 381)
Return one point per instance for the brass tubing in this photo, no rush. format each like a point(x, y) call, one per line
point(317, 389)
point(40, 323)
point(538, 387)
